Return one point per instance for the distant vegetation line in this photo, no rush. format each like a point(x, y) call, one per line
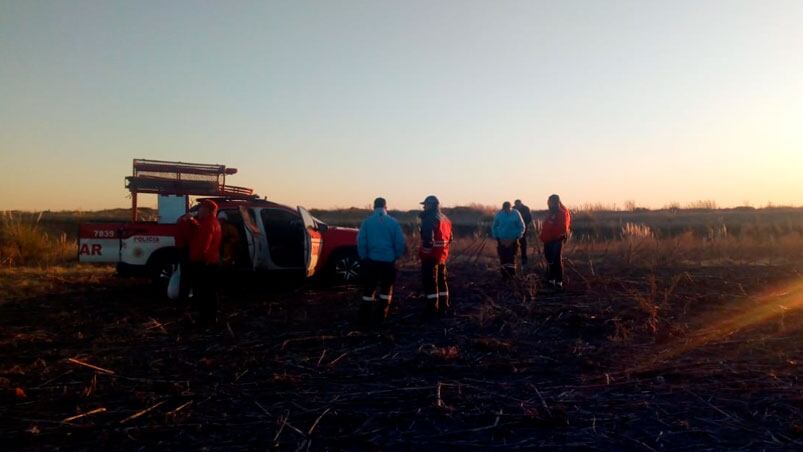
point(46, 238)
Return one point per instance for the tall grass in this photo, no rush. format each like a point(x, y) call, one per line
point(23, 242)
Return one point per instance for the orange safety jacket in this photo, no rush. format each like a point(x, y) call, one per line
point(205, 240)
point(556, 225)
point(436, 236)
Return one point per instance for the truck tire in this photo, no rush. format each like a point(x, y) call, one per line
point(344, 267)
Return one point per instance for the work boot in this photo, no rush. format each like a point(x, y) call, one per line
point(364, 314)
point(431, 307)
point(444, 305)
point(381, 310)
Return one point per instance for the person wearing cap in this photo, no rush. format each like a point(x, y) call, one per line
point(436, 236)
point(554, 232)
point(527, 216)
point(204, 258)
point(508, 228)
point(380, 242)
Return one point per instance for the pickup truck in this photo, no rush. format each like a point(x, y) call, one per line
point(275, 238)
point(270, 237)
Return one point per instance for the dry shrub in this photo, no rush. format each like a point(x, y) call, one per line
point(23, 242)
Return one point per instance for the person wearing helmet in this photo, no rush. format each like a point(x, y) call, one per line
point(436, 236)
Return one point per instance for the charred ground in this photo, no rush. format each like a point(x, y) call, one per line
point(660, 358)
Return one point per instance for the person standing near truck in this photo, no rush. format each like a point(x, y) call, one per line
point(527, 216)
point(508, 228)
point(204, 260)
point(436, 236)
point(380, 243)
point(230, 241)
point(554, 232)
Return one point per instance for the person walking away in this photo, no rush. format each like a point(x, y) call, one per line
point(436, 236)
point(554, 232)
point(527, 216)
point(204, 259)
point(380, 243)
point(508, 228)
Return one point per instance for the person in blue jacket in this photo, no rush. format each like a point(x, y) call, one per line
point(507, 229)
point(380, 243)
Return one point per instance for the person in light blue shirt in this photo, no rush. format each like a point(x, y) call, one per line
point(507, 229)
point(380, 243)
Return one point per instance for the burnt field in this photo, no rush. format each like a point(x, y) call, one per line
point(652, 357)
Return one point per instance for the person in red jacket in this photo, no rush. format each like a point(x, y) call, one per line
point(204, 258)
point(436, 236)
point(555, 231)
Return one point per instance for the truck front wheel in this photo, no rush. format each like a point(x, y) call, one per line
point(345, 268)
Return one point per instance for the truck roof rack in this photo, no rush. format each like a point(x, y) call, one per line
point(182, 178)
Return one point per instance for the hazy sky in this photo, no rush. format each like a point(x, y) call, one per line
point(331, 103)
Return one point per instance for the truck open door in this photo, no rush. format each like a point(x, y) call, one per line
point(313, 241)
point(256, 242)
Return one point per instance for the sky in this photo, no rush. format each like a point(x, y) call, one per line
point(331, 103)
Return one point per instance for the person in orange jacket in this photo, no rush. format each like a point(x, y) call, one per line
point(204, 259)
point(436, 236)
point(554, 232)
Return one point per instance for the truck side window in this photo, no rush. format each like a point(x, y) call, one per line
point(285, 233)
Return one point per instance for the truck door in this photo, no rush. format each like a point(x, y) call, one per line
point(313, 243)
point(256, 242)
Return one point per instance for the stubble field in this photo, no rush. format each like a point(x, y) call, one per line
point(661, 342)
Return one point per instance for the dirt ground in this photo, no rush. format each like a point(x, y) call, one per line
point(655, 359)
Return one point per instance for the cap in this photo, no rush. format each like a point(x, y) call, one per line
point(431, 199)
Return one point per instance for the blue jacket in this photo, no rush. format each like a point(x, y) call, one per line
point(508, 225)
point(380, 238)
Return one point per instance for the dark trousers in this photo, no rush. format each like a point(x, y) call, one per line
point(523, 248)
point(203, 280)
point(554, 260)
point(433, 277)
point(507, 256)
point(381, 275)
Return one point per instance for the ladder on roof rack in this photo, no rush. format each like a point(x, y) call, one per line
point(183, 179)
